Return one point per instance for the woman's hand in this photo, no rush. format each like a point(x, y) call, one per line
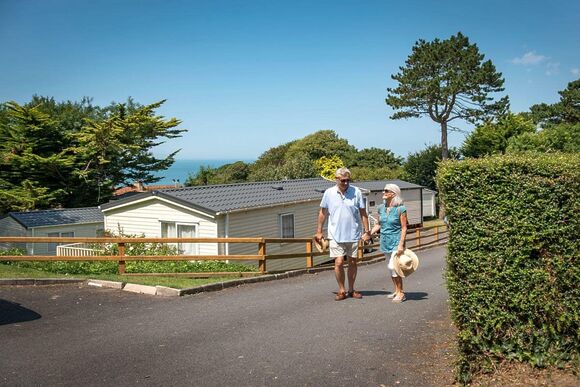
point(400, 251)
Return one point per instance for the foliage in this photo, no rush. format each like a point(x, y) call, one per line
point(512, 270)
point(31, 159)
point(567, 110)
point(376, 158)
point(447, 80)
point(553, 138)
point(12, 251)
point(421, 167)
point(304, 158)
point(117, 150)
point(131, 249)
point(73, 154)
point(226, 174)
point(384, 173)
point(327, 166)
point(492, 137)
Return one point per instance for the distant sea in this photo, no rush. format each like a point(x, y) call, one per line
point(181, 169)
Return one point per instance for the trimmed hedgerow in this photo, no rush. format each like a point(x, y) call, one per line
point(512, 265)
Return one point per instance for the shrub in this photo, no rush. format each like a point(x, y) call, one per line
point(512, 269)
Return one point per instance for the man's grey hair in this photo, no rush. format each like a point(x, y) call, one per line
point(342, 172)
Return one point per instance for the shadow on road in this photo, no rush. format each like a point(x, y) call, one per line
point(11, 312)
point(416, 296)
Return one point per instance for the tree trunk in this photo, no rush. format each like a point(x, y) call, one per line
point(444, 156)
point(444, 146)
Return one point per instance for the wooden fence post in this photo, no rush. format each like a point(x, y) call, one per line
point(309, 257)
point(360, 249)
point(437, 233)
point(262, 252)
point(121, 253)
point(418, 236)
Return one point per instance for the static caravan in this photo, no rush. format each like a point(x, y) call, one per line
point(429, 203)
point(272, 209)
point(410, 192)
point(67, 222)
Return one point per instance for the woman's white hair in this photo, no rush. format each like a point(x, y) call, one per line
point(344, 171)
point(397, 200)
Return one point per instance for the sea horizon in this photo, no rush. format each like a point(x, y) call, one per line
point(183, 168)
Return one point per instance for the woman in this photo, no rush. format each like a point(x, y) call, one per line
point(392, 223)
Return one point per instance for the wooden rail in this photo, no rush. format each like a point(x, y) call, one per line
point(421, 237)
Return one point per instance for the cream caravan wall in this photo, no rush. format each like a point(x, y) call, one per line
point(412, 199)
point(11, 228)
point(266, 223)
point(145, 217)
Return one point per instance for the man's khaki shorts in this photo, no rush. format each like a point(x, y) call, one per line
point(348, 249)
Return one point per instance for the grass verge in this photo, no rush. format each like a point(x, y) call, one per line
point(10, 271)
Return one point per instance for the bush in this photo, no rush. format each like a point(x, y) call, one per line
point(512, 269)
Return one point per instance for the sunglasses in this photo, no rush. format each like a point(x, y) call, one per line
point(386, 190)
point(343, 180)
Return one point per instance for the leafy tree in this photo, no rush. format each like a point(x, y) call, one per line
point(492, 137)
point(204, 176)
point(31, 159)
point(421, 167)
point(296, 159)
point(559, 125)
point(384, 173)
point(73, 154)
point(319, 144)
point(447, 81)
point(555, 138)
point(376, 158)
point(567, 110)
point(117, 150)
point(327, 166)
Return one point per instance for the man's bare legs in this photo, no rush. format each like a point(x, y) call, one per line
point(339, 273)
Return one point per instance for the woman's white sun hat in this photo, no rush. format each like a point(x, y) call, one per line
point(405, 264)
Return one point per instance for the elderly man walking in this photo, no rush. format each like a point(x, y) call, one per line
point(344, 207)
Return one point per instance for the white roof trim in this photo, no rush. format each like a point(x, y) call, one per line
point(154, 197)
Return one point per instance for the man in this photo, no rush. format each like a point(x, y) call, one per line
point(344, 207)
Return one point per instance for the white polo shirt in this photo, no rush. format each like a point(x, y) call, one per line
point(344, 221)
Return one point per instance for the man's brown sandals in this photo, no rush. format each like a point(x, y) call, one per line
point(341, 295)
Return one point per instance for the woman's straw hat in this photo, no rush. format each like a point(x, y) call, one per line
point(405, 264)
point(321, 245)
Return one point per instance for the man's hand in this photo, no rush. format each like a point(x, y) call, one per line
point(366, 236)
point(318, 236)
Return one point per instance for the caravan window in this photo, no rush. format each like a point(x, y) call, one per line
point(286, 225)
point(181, 230)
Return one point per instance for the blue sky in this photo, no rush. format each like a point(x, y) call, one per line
point(245, 76)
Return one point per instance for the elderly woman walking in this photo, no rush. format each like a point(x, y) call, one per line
point(392, 223)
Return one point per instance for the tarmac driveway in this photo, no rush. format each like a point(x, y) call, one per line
point(288, 332)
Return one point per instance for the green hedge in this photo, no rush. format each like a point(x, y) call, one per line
point(512, 266)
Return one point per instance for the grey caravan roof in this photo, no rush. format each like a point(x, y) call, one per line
point(243, 196)
point(58, 217)
point(378, 185)
point(237, 197)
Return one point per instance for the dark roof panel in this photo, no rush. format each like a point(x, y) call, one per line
point(58, 217)
point(242, 196)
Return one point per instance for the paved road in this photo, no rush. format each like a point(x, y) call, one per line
point(289, 332)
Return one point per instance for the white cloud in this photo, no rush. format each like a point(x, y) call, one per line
point(552, 68)
point(575, 71)
point(529, 58)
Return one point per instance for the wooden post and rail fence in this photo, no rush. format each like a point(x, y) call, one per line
point(416, 239)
